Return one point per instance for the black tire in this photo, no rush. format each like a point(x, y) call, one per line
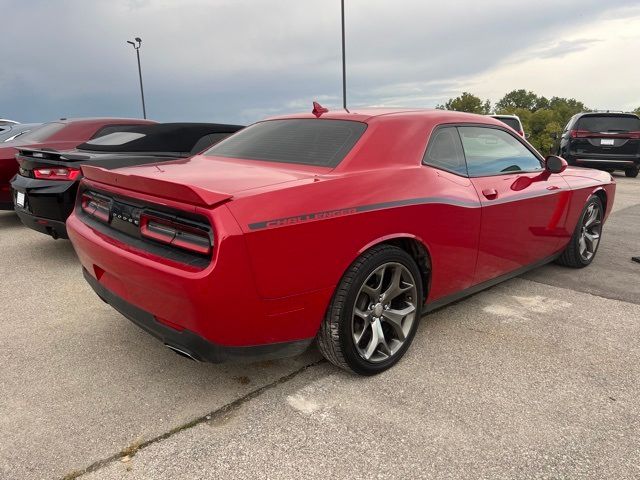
point(335, 337)
point(571, 256)
point(632, 172)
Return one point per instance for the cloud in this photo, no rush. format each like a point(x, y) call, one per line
point(565, 47)
point(238, 60)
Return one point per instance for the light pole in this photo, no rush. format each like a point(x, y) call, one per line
point(344, 63)
point(136, 45)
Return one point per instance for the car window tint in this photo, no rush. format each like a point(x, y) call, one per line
point(490, 151)
point(43, 132)
point(609, 123)
point(512, 122)
point(445, 151)
point(316, 142)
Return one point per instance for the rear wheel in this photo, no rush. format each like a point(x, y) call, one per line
point(584, 243)
point(374, 313)
point(632, 172)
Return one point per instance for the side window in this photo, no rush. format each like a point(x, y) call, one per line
point(445, 151)
point(490, 151)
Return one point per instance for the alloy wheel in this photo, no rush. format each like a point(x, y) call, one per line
point(384, 312)
point(590, 232)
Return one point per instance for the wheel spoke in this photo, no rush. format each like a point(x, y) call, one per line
point(382, 341)
point(592, 213)
point(583, 245)
point(591, 240)
point(395, 317)
point(358, 336)
point(374, 292)
point(397, 287)
point(592, 222)
point(374, 341)
point(359, 313)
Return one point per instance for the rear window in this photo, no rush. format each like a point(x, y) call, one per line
point(118, 138)
point(609, 123)
point(322, 143)
point(42, 133)
point(512, 122)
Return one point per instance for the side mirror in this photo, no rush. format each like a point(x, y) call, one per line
point(555, 164)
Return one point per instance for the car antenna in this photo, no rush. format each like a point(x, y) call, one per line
point(318, 109)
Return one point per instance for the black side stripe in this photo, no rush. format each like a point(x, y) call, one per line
point(307, 217)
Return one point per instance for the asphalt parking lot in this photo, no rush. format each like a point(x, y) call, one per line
point(536, 378)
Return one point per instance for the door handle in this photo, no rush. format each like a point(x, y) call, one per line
point(490, 193)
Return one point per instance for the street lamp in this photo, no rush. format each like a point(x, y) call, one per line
point(136, 46)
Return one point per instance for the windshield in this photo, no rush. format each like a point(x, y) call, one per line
point(317, 142)
point(609, 123)
point(42, 133)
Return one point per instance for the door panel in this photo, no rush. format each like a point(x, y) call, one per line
point(519, 226)
point(523, 213)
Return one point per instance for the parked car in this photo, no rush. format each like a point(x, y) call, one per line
point(46, 185)
point(340, 226)
point(61, 134)
point(10, 132)
point(513, 121)
point(604, 140)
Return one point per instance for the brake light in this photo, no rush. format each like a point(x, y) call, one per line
point(95, 206)
point(175, 233)
point(579, 133)
point(634, 135)
point(62, 173)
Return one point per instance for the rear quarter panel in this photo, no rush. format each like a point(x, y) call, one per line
point(304, 238)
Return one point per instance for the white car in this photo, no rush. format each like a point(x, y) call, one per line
point(512, 121)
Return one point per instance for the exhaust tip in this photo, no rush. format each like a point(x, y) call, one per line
point(181, 352)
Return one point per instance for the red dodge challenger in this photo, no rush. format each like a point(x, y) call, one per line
point(343, 227)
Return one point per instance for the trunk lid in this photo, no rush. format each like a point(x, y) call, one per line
point(200, 180)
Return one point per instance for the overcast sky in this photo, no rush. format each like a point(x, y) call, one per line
point(237, 61)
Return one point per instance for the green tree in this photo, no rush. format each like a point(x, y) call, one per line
point(520, 99)
point(467, 102)
point(637, 111)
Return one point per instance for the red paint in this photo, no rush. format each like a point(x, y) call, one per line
point(71, 135)
point(285, 234)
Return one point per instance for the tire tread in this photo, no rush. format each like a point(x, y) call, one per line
point(328, 338)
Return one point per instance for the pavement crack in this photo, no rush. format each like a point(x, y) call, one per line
point(234, 405)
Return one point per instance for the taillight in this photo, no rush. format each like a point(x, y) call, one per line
point(62, 173)
point(634, 135)
point(96, 206)
point(175, 233)
point(579, 133)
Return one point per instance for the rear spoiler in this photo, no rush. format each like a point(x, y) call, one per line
point(49, 154)
point(155, 187)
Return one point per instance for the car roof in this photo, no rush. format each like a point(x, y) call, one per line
point(368, 114)
point(100, 120)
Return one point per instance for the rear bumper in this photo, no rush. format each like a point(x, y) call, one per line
point(218, 303)
point(603, 162)
point(55, 228)
point(46, 199)
point(6, 206)
point(190, 343)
